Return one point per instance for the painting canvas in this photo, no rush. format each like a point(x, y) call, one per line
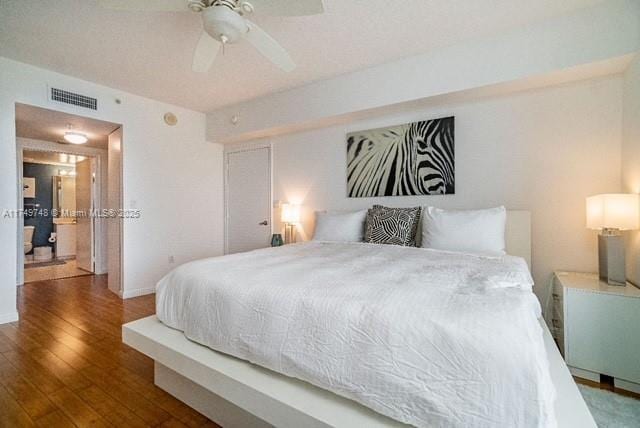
point(412, 159)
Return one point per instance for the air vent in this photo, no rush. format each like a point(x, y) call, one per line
point(67, 97)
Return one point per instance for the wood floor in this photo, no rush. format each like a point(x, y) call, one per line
point(64, 364)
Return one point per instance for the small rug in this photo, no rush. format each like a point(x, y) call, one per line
point(43, 264)
point(611, 410)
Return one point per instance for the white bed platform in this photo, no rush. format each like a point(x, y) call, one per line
point(236, 393)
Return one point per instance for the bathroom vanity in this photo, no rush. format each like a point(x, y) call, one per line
point(64, 226)
point(65, 231)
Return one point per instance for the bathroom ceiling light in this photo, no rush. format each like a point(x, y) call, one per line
point(75, 137)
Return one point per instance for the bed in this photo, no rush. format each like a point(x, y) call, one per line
point(421, 337)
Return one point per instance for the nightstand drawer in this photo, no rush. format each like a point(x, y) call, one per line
point(557, 322)
point(557, 288)
point(602, 334)
point(557, 310)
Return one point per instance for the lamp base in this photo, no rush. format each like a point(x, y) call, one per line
point(289, 233)
point(611, 264)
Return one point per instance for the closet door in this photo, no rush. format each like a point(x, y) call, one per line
point(248, 199)
point(85, 182)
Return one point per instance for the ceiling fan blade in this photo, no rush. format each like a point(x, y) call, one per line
point(287, 7)
point(268, 47)
point(206, 51)
point(146, 5)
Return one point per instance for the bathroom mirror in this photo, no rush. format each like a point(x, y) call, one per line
point(64, 196)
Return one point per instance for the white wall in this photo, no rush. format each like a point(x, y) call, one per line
point(543, 151)
point(631, 159)
point(171, 173)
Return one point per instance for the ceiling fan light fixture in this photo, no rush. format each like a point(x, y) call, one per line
point(75, 137)
point(224, 24)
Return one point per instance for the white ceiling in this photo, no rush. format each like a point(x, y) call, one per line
point(150, 53)
point(49, 125)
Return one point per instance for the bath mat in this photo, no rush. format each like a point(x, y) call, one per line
point(43, 264)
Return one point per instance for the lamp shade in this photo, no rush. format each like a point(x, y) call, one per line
point(290, 213)
point(613, 211)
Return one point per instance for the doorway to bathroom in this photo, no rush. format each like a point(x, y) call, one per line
point(66, 164)
point(58, 188)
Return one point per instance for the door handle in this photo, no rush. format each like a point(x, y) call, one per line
point(264, 223)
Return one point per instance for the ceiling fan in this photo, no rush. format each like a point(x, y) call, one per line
point(224, 22)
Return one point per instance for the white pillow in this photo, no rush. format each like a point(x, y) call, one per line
point(478, 232)
point(340, 227)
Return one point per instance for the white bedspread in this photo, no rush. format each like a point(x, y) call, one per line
point(425, 337)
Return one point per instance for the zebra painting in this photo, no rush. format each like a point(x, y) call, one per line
point(412, 159)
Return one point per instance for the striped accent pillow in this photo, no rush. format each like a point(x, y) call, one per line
point(395, 226)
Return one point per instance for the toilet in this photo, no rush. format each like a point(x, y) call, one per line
point(28, 237)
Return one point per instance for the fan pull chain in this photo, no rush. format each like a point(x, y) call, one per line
point(224, 39)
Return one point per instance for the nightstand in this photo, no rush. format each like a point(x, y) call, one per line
point(597, 327)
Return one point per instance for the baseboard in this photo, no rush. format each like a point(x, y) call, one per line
point(627, 386)
point(10, 317)
point(127, 294)
point(585, 374)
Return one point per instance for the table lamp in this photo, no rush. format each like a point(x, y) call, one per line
point(290, 216)
point(611, 213)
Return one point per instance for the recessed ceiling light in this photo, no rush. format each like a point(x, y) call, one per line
point(75, 137)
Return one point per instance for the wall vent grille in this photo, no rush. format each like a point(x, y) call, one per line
point(67, 97)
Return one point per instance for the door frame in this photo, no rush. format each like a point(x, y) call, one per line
point(98, 224)
point(93, 207)
point(238, 148)
point(113, 233)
